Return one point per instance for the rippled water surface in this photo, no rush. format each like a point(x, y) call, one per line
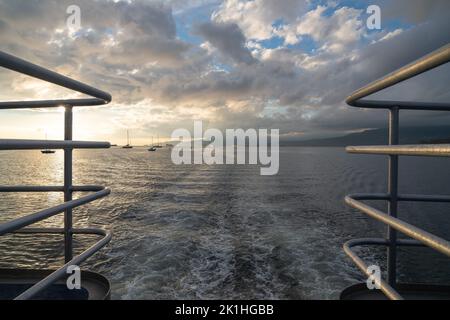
point(210, 232)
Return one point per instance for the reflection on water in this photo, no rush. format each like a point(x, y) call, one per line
point(224, 231)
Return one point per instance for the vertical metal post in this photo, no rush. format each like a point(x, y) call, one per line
point(393, 196)
point(68, 131)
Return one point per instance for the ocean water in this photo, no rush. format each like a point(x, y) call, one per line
point(225, 232)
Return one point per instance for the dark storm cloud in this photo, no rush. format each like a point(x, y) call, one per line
point(116, 39)
point(228, 39)
point(383, 57)
point(413, 11)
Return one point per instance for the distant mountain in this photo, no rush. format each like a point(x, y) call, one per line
point(408, 135)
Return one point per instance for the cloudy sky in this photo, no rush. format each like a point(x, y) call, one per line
point(286, 64)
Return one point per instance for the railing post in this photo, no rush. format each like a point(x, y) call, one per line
point(393, 196)
point(68, 132)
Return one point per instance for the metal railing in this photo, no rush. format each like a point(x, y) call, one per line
point(68, 145)
point(394, 150)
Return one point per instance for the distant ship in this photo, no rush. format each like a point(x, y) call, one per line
point(152, 148)
point(157, 144)
point(47, 151)
point(128, 145)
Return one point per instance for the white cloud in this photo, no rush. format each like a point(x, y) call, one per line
point(342, 28)
point(256, 17)
point(391, 34)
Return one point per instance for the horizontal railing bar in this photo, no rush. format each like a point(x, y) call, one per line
point(383, 242)
point(370, 196)
point(49, 188)
point(51, 103)
point(425, 237)
point(403, 105)
point(75, 231)
point(17, 144)
point(16, 64)
point(429, 150)
point(423, 198)
point(431, 61)
point(87, 188)
point(25, 221)
point(390, 292)
point(61, 272)
point(31, 189)
point(401, 197)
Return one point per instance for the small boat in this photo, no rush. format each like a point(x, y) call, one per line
point(152, 148)
point(157, 144)
point(47, 151)
point(128, 145)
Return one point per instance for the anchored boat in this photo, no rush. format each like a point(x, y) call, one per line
point(128, 145)
point(153, 147)
point(47, 151)
point(158, 145)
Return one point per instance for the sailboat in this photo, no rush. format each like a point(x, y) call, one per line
point(152, 148)
point(128, 145)
point(157, 144)
point(47, 151)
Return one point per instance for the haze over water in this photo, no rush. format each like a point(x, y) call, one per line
point(227, 232)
